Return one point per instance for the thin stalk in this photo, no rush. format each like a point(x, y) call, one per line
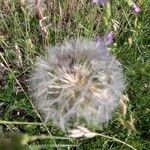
point(117, 140)
point(21, 123)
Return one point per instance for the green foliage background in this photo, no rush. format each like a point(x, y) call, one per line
point(19, 29)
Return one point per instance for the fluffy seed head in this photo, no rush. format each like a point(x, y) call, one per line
point(78, 83)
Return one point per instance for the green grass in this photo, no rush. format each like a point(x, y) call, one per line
point(19, 26)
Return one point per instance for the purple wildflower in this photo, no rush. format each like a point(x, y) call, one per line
point(136, 8)
point(104, 41)
point(99, 1)
point(102, 50)
point(108, 39)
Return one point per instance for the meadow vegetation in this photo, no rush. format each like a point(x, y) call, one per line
point(26, 32)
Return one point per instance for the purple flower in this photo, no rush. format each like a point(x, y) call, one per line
point(108, 39)
point(103, 49)
point(99, 1)
point(135, 8)
point(104, 41)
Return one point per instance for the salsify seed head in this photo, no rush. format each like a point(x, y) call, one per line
point(78, 83)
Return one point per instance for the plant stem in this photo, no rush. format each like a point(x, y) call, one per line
point(22, 123)
point(117, 140)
